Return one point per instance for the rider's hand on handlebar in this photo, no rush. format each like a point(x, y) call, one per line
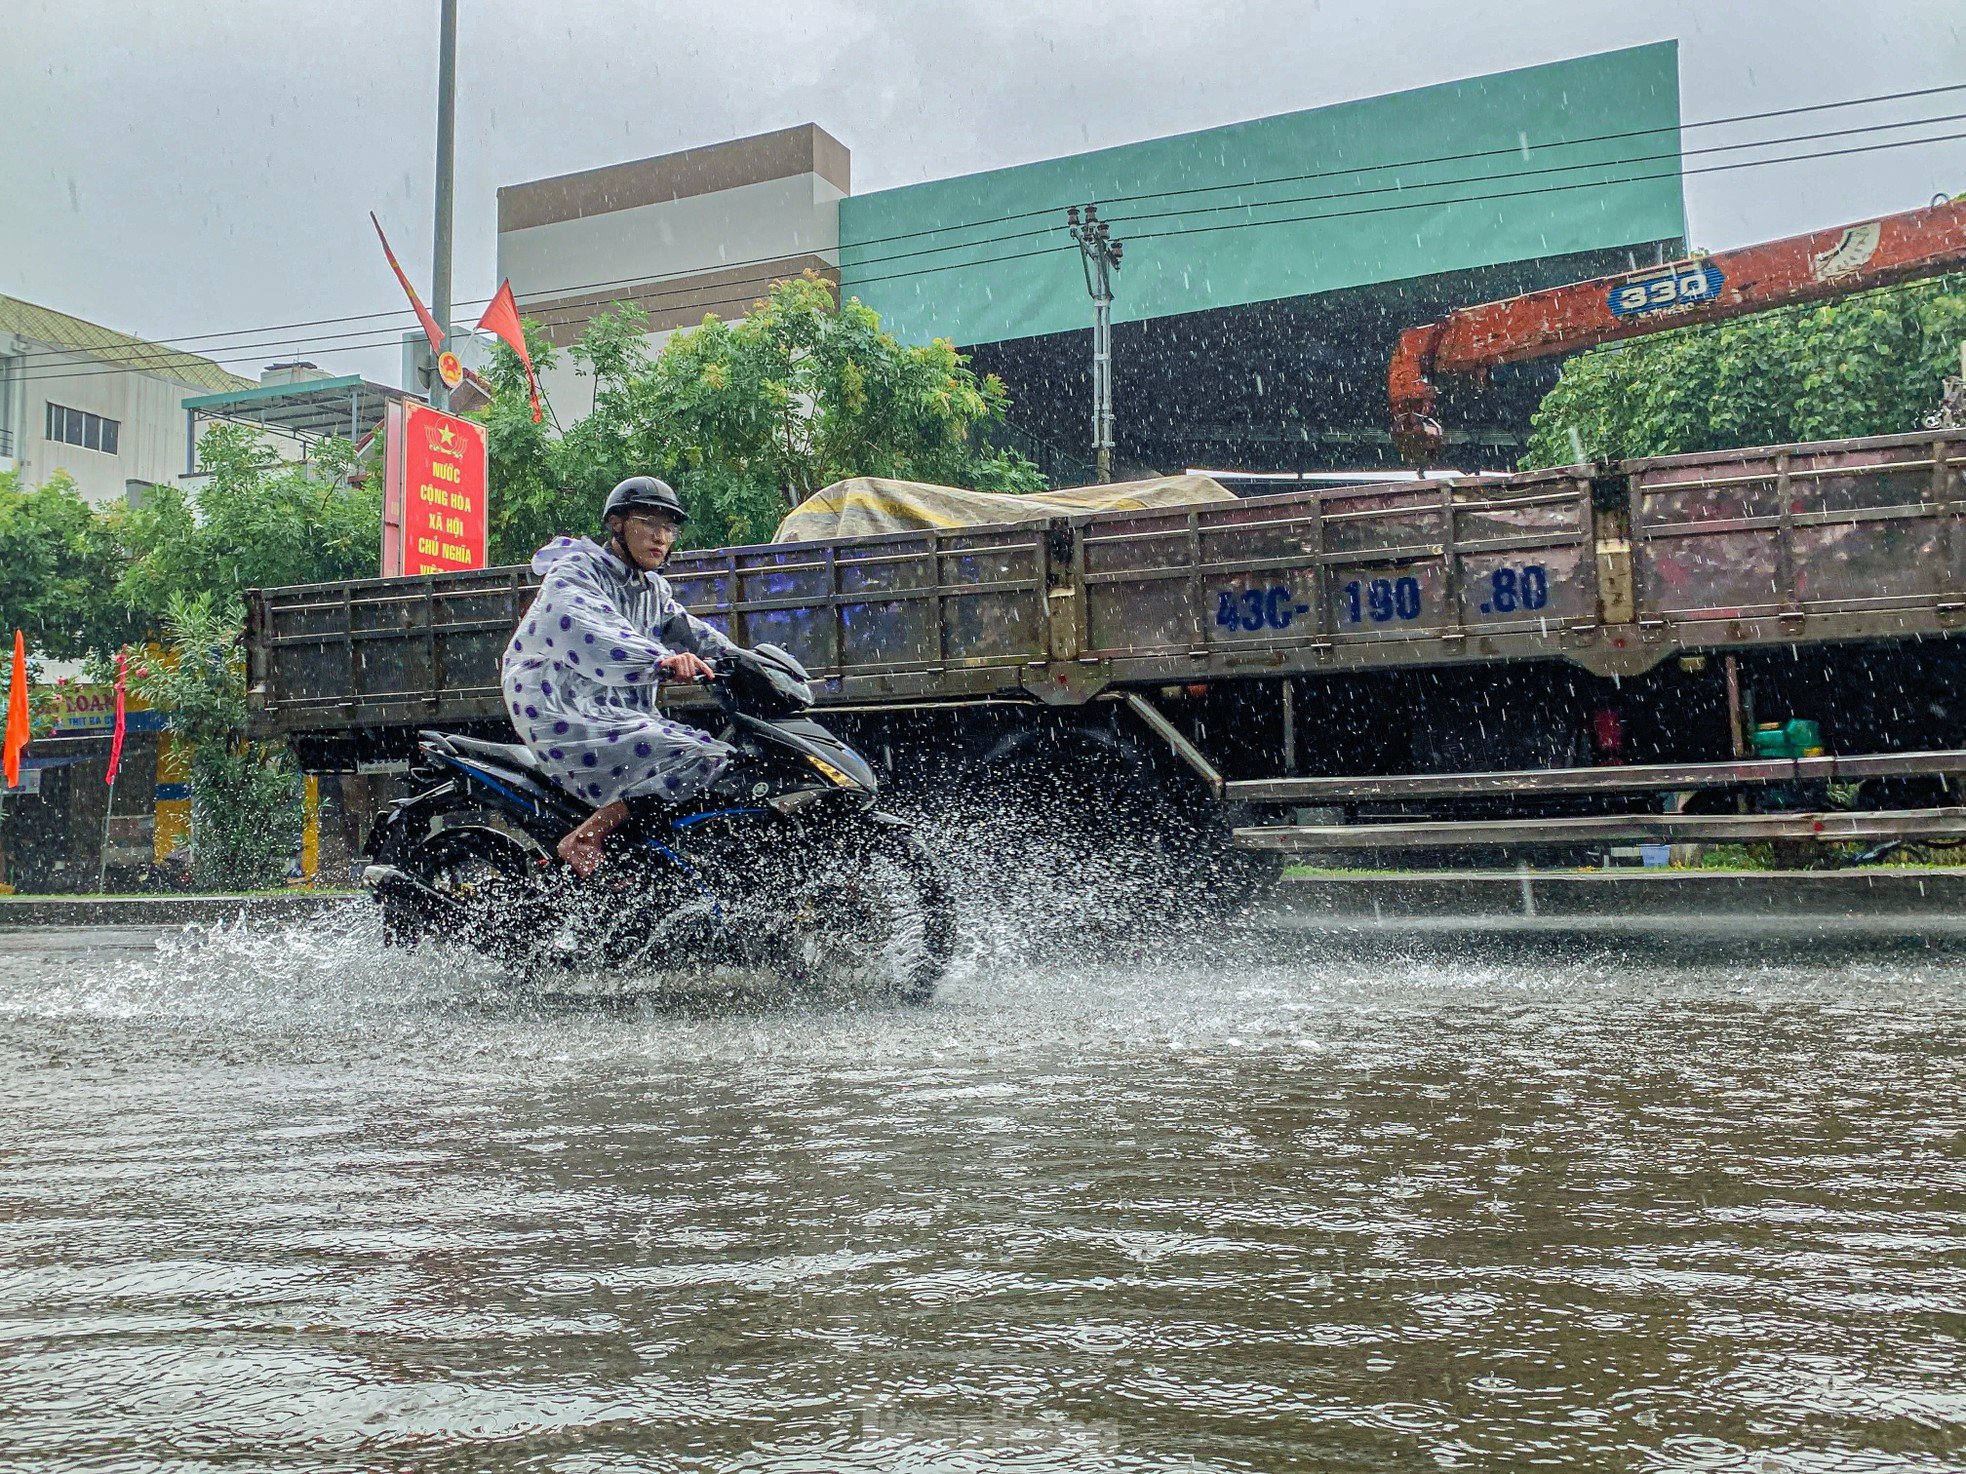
point(685, 667)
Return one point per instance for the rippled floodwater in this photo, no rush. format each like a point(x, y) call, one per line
point(281, 1200)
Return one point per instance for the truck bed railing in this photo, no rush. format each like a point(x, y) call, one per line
point(955, 612)
point(1612, 567)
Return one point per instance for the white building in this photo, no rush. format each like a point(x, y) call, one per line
point(699, 232)
point(101, 405)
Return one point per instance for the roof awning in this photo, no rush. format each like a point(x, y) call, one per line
point(312, 409)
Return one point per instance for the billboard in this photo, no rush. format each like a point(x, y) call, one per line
point(433, 509)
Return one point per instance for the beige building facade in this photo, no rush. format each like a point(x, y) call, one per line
point(703, 231)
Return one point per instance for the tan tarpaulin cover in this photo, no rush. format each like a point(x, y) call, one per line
point(868, 505)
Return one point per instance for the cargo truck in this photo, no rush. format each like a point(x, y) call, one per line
point(1746, 645)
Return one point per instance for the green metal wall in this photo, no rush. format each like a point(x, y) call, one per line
point(1466, 174)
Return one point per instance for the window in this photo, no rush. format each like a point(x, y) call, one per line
point(79, 427)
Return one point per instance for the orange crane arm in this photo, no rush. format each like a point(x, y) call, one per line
point(1699, 289)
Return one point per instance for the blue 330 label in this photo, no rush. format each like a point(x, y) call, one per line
point(1684, 285)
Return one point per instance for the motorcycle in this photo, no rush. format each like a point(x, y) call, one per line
point(785, 863)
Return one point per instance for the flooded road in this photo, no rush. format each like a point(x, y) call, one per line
point(280, 1200)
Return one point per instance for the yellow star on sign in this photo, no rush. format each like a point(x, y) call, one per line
point(446, 434)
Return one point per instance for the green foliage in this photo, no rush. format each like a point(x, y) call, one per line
point(245, 796)
point(1866, 365)
point(203, 683)
point(59, 566)
point(78, 579)
point(526, 504)
point(245, 817)
point(746, 419)
point(254, 522)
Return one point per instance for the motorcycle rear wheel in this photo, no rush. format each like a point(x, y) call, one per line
point(491, 876)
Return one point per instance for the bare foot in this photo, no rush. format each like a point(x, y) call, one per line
point(582, 852)
point(581, 848)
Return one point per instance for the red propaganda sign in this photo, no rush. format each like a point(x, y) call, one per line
point(433, 510)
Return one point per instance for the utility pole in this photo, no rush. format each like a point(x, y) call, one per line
point(1100, 255)
point(440, 271)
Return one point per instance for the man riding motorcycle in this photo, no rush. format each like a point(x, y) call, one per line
point(580, 673)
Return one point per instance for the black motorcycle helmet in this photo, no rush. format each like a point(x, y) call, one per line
point(644, 494)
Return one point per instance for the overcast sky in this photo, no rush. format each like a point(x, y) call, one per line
point(173, 169)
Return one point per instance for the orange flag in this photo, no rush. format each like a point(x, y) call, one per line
point(502, 318)
point(17, 711)
point(430, 329)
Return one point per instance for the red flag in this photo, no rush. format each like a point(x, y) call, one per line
point(17, 711)
point(116, 740)
point(430, 329)
point(502, 318)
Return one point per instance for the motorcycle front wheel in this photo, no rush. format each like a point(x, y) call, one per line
point(872, 920)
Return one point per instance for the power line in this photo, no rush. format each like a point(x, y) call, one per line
point(748, 297)
point(244, 349)
point(403, 317)
point(1559, 188)
point(1523, 150)
point(365, 340)
point(1719, 148)
point(1315, 218)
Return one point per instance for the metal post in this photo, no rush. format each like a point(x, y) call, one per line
point(440, 271)
point(1099, 255)
point(102, 862)
point(1736, 728)
point(1289, 726)
point(1102, 379)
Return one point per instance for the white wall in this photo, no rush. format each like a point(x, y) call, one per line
point(773, 218)
point(10, 411)
point(150, 438)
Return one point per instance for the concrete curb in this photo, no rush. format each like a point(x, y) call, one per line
point(104, 911)
point(1859, 893)
point(1864, 894)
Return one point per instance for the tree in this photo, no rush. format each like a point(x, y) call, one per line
point(42, 703)
point(1866, 365)
point(82, 582)
point(255, 522)
point(59, 567)
point(527, 505)
point(747, 419)
point(245, 796)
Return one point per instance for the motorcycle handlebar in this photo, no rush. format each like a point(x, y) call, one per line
point(717, 673)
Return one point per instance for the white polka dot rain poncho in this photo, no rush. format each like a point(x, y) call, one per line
point(579, 678)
